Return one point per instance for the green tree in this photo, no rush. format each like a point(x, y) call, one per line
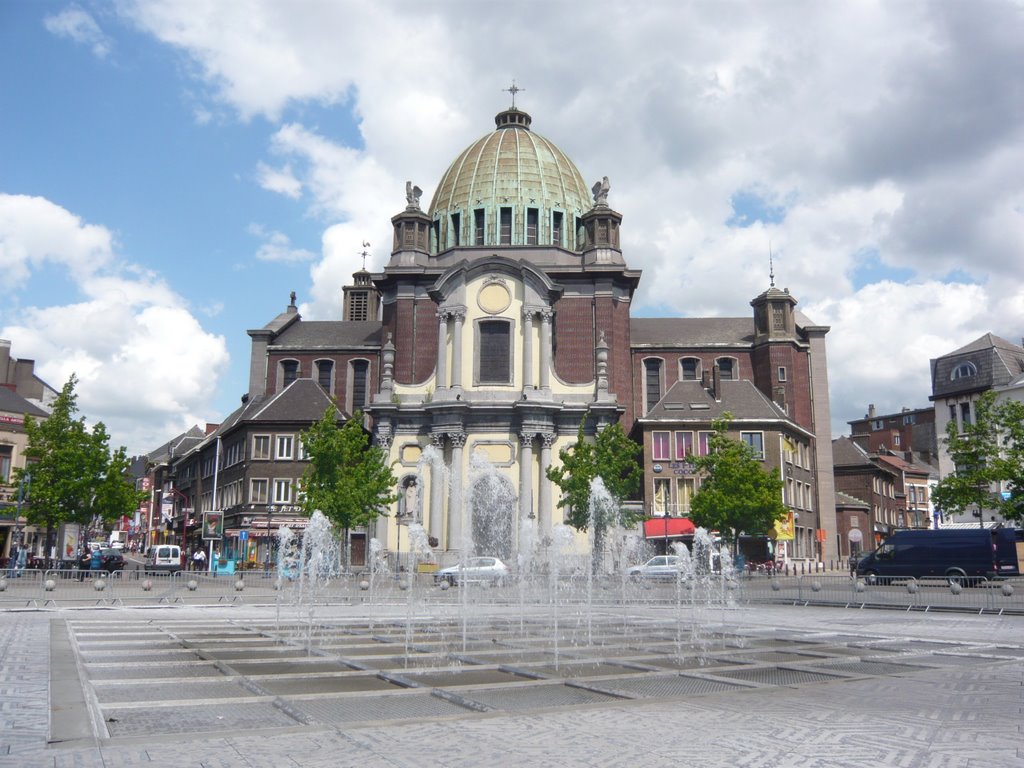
point(737, 494)
point(348, 480)
point(74, 477)
point(987, 453)
point(613, 457)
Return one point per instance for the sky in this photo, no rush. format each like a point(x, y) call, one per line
point(171, 170)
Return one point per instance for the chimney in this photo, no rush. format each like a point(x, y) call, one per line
point(716, 383)
point(705, 378)
point(871, 410)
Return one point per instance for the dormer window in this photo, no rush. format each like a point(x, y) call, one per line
point(505, 226)
point(963, 371)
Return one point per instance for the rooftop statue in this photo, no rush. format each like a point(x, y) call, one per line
point(412, 195)
point(600, 191)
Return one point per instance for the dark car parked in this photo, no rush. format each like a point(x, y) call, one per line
point(110, 560)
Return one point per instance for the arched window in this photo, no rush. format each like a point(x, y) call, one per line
point(963, 371)
point(289, 372)
point(689, 369)
point(652, 382)
point(358, 385)
point(727, 367)
point(325, 374)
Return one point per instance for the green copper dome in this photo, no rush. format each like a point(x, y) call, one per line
point(510, 188)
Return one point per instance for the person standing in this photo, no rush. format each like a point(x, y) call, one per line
point(199, 560)
point(214, 561)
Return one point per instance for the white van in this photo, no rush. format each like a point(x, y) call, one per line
point(163, 558)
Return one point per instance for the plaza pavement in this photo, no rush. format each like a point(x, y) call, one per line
point(968, 715)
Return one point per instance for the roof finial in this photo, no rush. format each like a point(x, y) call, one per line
point(513, 89)
point(771, 265)
point(364, 253)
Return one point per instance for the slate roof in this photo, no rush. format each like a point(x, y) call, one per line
point(302, 400)
point(691, 331)
point(330, 334)
point(846, 501)
point(998, 362)
point(689, 401)
point(846, 453)
point(13, 403)
point(177, 446)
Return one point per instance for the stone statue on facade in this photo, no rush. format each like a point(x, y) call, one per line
point(600, 190)
point(412, 195)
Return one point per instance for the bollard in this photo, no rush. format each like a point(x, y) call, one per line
point(860, 586)
point(99, 585)
point(1007, 590)
point(193, 585)
point(815, 586)
point(955, 588)
point(50, 585)
point(776, 586)
point(147, 585)
point(239, 585)
point(912, 586)
point(3, 585)
point(365, 585)
point(444, 586)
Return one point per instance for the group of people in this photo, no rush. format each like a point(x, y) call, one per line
point(198, 560)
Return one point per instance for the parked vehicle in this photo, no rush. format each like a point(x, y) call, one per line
point(964, 555)
point(476, 569)
point(164, 558)
point(111, 560)
point(661, 567)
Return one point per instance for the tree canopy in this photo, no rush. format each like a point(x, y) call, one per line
point(613, 457)
point(737, 494)
point(347, 479)
point(75, 477)
point(988, 455)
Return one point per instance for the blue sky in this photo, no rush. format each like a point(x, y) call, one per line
point(170, 171)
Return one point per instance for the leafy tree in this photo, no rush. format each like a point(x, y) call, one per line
point(74, 476)
point(737, 493)
point(987, 452)
point(613, 457)
point(347, 479)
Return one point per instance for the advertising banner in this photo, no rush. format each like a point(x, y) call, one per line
point(785, 528)
point(213, 525)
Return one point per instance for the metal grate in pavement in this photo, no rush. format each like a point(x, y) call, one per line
point(195, 719)
point(534, 696)
point(776, 676)
point(663, 686)
point(371, 708)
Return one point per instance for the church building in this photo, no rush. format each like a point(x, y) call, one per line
point(500, 323)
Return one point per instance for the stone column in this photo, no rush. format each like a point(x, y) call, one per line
point(460, 317)
point(526, 476)
point(442, 349)
point(545, 348)
point(455, 512)
point(544, 499)
point(528, 348)
point(436, 528)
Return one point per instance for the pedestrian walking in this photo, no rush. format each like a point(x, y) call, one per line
point(199, 560)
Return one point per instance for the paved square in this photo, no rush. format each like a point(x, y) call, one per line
point(235, 685)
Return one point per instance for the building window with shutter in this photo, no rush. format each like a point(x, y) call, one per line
point(360, 384)
point(652, 382)
point(494, 352)
point(478, 226)
point(505, 227)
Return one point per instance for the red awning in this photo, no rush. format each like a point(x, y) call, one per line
point(668, 527)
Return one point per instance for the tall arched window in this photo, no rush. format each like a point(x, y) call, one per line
point(652, 382)
point(359, 388)
point(325, 374)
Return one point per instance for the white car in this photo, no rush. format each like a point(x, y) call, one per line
point(475, 569)
point(664, 567)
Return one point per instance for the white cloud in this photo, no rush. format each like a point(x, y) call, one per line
point(76, 24)
point(280, 180)
point(892, 132)
point(146, 366)
point(278, 247)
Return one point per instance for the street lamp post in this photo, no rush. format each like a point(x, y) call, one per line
point(270, 538)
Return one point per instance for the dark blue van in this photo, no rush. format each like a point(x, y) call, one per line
point(961, 555)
